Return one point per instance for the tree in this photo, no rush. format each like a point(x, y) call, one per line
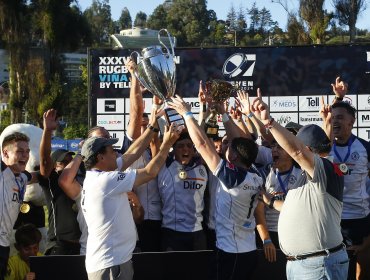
point(231, 18)
point(98, 15)
point(296, 31)
point(140, 19)
point(125, 21)
point(254, 19)
point(347, 12)
point(311, 11)
point(158, 19)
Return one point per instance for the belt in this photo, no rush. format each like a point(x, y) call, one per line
point(316, 254)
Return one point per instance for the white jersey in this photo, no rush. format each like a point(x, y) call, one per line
point(148, 193)
point(236, 201)
point(111, 228)
point(182, 199)
point(12, 189)
point(289, 180)
point(355, 196)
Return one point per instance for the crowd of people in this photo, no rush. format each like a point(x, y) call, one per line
point(181, 190)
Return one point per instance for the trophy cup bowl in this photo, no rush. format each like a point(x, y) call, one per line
point(156, 71)
point(220, 91)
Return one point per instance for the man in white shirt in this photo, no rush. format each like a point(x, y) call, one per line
point(111, 229)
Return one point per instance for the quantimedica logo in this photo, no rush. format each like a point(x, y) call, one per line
point(238, 66)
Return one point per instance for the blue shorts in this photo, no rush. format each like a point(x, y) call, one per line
point(355, 230)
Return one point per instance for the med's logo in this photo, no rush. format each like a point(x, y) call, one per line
point(239, 64)
point(110, 105)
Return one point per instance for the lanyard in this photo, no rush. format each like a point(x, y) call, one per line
point(282, 183)
point(21, 188)
point(350, 142)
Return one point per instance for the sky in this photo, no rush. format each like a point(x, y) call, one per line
point(221, 7)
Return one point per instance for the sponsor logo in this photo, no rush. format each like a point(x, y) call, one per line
point(192, 185)
point(292, 179)
point(368, 100)
point(313, 101)
point(365, 118)
point(310, 119)
point(355, 156)
point(121, 176)
point(284, 119)
point(202, 172)
point(239, 64)
point(110, 105)
point(368, 134)
point(284, 103)
point(74, 145)
point(109, 122)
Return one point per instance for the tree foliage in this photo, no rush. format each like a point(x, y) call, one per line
point(140, 19)
point(125, 20)
point(347, 12)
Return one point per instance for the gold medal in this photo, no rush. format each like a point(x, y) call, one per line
point(182, 174)
point(25, 208)
point(343, 167)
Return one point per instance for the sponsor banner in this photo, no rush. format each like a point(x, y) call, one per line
point(284, 118)
point(351, 99)
point(363, 102)
point(283, 103)
point(364, 133)
point(111, 122)
point(73, 144)
point(363, 119)
point(119, 135)
point(310, 118)
point(311, 103)
point(110, 106)
point(57, 144)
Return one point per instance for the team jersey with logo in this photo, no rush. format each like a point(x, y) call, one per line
point(213, 185)
point(147, 193)
point(111, 228)
point(289, 180)
point(355, 196)
point(182, 199)
point(12, 189)
point(236, 200)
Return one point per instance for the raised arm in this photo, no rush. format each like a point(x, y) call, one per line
point(198, 136)
point(136, 103)
point(340, 89)
point(138, 147)
point(50, 124)
point(291, 144)
point(67, 180)
point(152, 168)
point(325, 114)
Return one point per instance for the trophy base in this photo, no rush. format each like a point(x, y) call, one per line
point(173, 117)
point(211, 130)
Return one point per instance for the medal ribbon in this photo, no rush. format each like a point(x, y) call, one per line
point(350, 142)
point(282, 183)
point(21, 188)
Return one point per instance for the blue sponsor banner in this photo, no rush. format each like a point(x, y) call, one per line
point(59, 144)
point(73, 144)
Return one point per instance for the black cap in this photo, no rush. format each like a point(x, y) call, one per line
point(293, 127)
point(94, 144)
point(60, 154)
point(313, 136)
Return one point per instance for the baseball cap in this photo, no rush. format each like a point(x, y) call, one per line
point(313, 136)
point(293, 127)
point(60, 154)
point(94, 144)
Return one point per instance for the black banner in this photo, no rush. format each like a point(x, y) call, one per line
point(292, 79)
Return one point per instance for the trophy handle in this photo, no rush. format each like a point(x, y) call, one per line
point(169, 38)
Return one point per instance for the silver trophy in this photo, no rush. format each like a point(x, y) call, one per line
point(156, 70)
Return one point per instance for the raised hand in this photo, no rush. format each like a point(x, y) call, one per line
point(261, 107)
point(325, 111)
point(131, 66)
point(179, 105)
point(340, 88)
point(243, 99)
point(172, 133)
point(50, 122)
point(202, 93)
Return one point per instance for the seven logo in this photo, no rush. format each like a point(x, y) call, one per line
point(239, 64)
